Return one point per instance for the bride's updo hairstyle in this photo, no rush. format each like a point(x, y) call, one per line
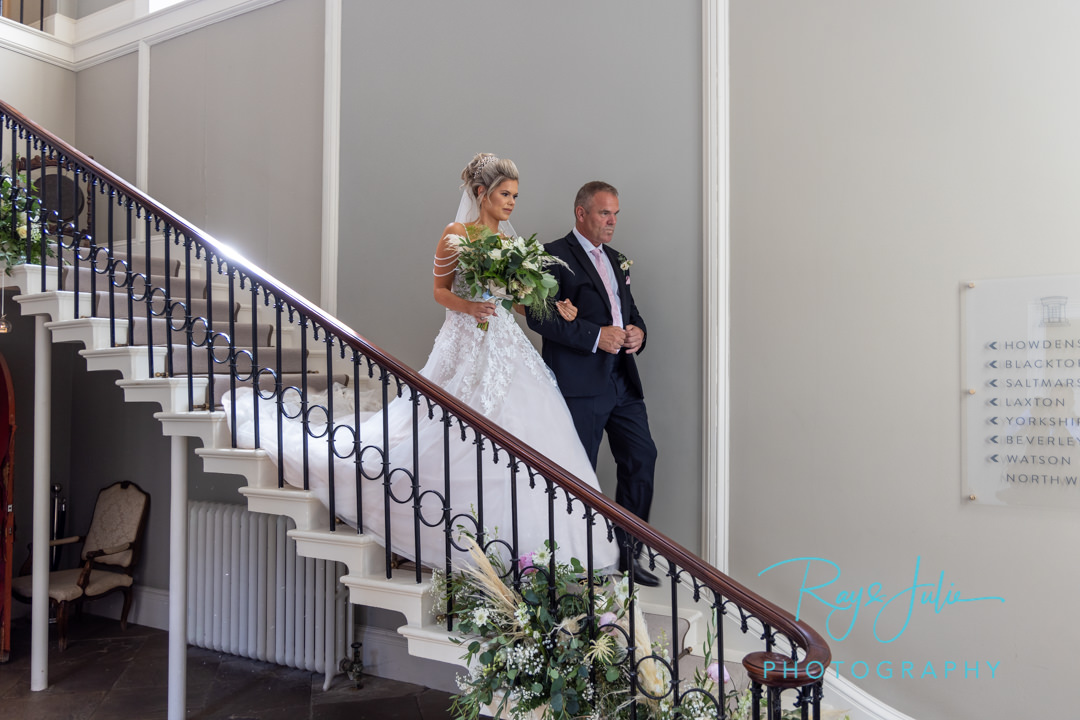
point(488, 170)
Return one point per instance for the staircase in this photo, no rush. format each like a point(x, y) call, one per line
point(183, 322)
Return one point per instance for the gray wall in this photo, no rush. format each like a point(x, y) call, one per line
point(882, 153)
point(105, 104)
point(82, 8)
point(236, 135)
point(43, 92)
point(571, 92)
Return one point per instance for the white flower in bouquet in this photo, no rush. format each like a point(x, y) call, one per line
point(511, 270)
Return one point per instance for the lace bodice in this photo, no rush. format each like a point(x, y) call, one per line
point(479, 365)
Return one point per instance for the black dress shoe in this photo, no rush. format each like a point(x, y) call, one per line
point(641, 575)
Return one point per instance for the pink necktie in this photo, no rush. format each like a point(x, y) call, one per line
point(615, 320)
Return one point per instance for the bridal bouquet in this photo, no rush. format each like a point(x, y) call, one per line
point(508, 270)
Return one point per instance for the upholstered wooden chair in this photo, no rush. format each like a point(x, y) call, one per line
point(109, 553)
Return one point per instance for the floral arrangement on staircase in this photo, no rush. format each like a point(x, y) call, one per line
point(19, 217)
point(556, 646)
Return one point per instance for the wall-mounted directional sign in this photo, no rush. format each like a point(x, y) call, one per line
point(1021, 392)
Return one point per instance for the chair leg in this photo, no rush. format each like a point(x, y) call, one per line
point(61, 624)
point(127, 606)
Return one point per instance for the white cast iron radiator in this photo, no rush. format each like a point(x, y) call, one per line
point(249, 594)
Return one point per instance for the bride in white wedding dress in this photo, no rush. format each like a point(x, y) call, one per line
point(498, 373)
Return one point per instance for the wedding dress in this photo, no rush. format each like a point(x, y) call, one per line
point(496, 372)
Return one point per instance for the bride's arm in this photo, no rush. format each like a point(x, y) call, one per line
point(443, 271)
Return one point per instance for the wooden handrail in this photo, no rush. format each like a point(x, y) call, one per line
point(816, 649)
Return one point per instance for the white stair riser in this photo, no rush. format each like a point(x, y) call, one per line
point(131, 362)
point(171, 394)
point(359, 553)
point(255, 465)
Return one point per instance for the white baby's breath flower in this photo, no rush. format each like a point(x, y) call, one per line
point(480, 616)
point(542, 557)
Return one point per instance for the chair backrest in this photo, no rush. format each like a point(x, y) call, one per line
point(119, 517)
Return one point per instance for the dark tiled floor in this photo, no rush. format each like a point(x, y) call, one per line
point(109, 674)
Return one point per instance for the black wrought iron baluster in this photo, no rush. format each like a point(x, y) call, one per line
point(303, 394)
point(673, 573)
point(208, 293)
point(631, 650)
point(328, 339)
point(42, 221)
point(772, 703)
point(129, 275)
point(481, 538)
point(189, 326)
point(755, 700)
point(515, 551)
point(416, 476)
point(768, 637)
point(590, 588)
point(166, 307)
point(447, 513)
point(26, 217)
point(111, 240)
point(76, 243)
point(357, 445)
point(149, 297)
point(385, 378)
point(552, 543)
point(14, 170)
point(279, 392)
point(60, 167)
point(256, 375)
point(231, 275)
point(91, 212)
point(718, 646)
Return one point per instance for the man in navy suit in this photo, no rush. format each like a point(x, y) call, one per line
point(593, 356)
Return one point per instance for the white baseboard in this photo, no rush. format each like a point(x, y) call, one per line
point(844, 694)
point(149, 607)
point(386, 655)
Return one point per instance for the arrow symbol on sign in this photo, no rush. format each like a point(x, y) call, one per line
point(993, 420)
point(993, 401)
point(993, 439)
point(993, 383)
point(993, 458)
point(993, 345)
point(992, 363)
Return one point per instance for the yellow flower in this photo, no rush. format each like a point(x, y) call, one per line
point(21, 230)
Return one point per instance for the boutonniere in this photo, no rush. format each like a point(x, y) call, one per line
point(624, 265)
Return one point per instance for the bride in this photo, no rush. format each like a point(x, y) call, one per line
point(495, 371)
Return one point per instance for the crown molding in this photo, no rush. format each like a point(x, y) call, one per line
point(36, 44)
point(117, 30)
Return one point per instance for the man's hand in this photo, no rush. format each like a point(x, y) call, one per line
point(611, 339)
point(634, 338)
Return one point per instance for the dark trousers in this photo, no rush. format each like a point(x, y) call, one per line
point(621, 413)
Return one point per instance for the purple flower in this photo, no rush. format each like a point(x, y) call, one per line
point(525, 563)
point(713, 671)
point(608, 618)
